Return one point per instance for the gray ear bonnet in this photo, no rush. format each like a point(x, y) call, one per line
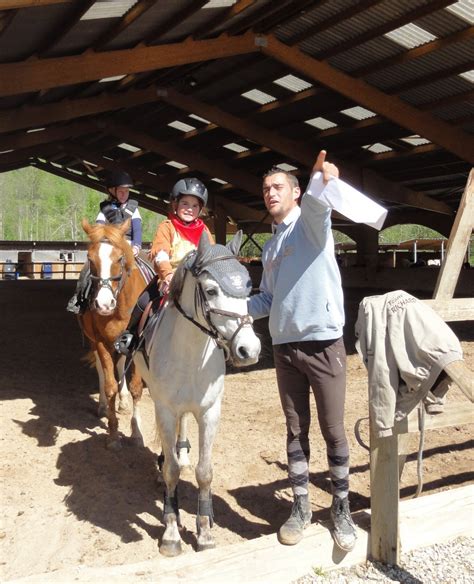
point(228, 272)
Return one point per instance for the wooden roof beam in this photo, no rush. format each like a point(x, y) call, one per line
point(15, 4)
point(416, 53)
point(162, 185)
point(388, 26)
point(239, 126)
point(192, 159)
point(333, 20)
point(271, 14)
point(24, 155)
point(390, 107)
point(21, 140)
point(85, 181)
point(430, 78)
point(224, 16)
point(239, 179)
point(43, 115)
point(294, 151)
point(28, 76)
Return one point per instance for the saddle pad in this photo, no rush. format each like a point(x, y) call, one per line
point(146, 269)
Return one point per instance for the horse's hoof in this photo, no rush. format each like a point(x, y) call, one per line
point(114, 445)
point(170, 548)
point(205, 545)
point(137, 442)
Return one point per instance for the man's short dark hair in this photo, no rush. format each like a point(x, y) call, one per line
point(292, 179)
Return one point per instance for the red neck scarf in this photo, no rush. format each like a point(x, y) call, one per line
point(190, 231)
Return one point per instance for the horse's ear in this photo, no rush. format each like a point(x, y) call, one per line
point(86, 226)
point(204, 243)
point(235, 243)
point(125, 226)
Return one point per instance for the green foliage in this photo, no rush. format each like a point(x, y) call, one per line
point(38, 206)
point(399, 233)
point(250, 249)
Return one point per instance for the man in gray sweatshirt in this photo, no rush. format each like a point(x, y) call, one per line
point(301, 292)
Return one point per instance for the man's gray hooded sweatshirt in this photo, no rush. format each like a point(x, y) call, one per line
point(301, 284)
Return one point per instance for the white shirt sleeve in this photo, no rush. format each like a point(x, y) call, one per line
point(347, 200)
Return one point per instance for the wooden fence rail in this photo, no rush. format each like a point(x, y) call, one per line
point(387, 455)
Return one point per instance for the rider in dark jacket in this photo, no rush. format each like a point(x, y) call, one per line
point(116, 209)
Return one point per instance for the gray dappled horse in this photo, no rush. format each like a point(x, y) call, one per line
point(204, 322)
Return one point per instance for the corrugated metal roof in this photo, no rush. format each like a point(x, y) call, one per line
point(299, 107)
point(446, 58)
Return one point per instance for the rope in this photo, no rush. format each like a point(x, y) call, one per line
point(357, 433)
point(419, 460)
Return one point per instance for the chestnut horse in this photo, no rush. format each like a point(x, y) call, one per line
point(116, 285)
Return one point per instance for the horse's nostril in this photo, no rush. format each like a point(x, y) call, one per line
point(243, 353)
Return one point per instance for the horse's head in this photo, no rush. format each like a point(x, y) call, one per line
point(111, 259)
point(217, 296)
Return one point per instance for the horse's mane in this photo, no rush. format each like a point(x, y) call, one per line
point(100, 232)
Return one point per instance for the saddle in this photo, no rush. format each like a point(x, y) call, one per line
point(146, 269)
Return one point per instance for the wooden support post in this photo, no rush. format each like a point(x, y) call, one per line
point(384, 497)
point(457, 244)
point(404, 441)
point(220, 225)
point(367, 250)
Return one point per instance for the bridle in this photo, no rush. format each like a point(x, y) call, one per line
point(107, 282)
point(201, 302)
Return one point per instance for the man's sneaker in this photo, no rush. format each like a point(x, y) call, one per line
point(125, 343)
point(344, 532)
point(291, 532)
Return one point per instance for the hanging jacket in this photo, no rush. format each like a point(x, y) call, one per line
point(405, 345)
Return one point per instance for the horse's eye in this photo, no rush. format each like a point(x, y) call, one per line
point(211, 292)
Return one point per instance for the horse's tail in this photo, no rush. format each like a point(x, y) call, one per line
point(89, 358)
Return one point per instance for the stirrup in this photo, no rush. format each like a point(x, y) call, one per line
point(73, 305)
point(125, 343)
point(74, 308)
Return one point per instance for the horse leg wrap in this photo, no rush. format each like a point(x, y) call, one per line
point(160, 461)
point(183, 444)
point(205, 508)
point(170, 505)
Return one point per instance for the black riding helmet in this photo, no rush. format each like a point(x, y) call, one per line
point(190, 186)
point(118, 178)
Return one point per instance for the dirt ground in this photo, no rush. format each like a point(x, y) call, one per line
point(66, 500)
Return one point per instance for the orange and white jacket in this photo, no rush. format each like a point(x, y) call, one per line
point(169, 248)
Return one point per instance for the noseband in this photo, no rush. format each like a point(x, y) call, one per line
point(201, 301)
point(107, 282)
